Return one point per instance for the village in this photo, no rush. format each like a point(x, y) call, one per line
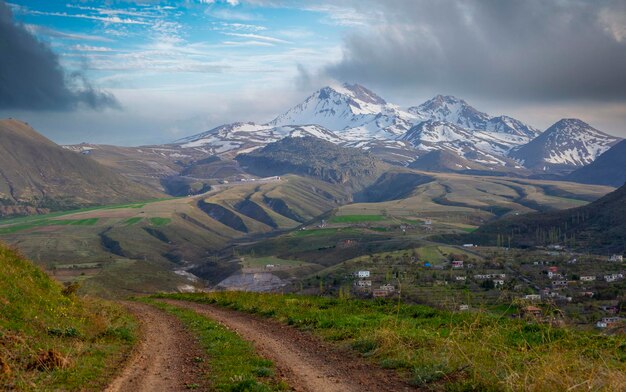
point(543, 285)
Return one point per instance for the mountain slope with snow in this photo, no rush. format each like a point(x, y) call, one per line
point(458, 112)
point(608, 169)
point(246, 136)
point(351, 115)
point(566, 144)
point(350, 110)
point(486, 148)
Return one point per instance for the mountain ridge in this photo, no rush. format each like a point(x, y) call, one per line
point(567, 143)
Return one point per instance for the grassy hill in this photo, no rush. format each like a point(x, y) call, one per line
point(49, 338)
point(36, 175)
point(316, 158)
point(598, 226)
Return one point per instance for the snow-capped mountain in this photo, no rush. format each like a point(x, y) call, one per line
point(458, 112)
point(353, 116)
point(244, 137)
point(452, 110)
point(488, 148)
point(567, 143)
point(351, 111)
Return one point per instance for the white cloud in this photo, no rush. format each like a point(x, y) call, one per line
point(246, 43)
point(228, 14)
point(105, 19)
point(237, 27)
point(36, 29)
point(258, 37)
point(89, 48)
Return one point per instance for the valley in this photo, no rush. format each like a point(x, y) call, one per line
point(188, 243)
point(302, 208)
point(271, 196)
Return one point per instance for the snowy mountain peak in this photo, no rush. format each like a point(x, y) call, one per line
point(569, 142)
point(571, 124)
point(360, 93)
point(453, 110)
point(351, 110)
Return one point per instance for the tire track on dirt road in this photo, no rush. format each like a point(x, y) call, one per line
point(307, 363)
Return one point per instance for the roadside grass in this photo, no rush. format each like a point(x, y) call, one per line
point(356, 218)
point(50, 339)
point(158, 221)
point(234, 366)
point(442, 350)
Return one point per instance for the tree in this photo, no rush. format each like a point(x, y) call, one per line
point(488, 284)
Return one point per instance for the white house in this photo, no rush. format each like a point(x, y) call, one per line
point(588, 278)
point(608, 322)
point(613, 277)
point(363, 274)
point(464, 307)
point(363, 283)
point(461, 278)
point(616, 258)
point(532, 297)
point(498, 282)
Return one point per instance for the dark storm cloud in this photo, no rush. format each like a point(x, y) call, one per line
point(32, 78)
point(531, 49)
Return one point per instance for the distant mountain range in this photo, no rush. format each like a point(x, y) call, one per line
point(37, 175)
point(353, 116)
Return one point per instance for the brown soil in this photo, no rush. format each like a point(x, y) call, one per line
point(303, 360)
point(166, 358)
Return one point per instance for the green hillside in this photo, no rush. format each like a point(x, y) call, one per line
point(49, 338)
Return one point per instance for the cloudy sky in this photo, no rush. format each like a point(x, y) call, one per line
point(138, 72)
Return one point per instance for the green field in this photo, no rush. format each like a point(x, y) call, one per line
point(158, 221)
point(441, 350)
point(133, 221)
point(356, 218)
point(48, 222)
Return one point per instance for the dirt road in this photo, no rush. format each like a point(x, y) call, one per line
point(166, 358)
point(304, 361)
